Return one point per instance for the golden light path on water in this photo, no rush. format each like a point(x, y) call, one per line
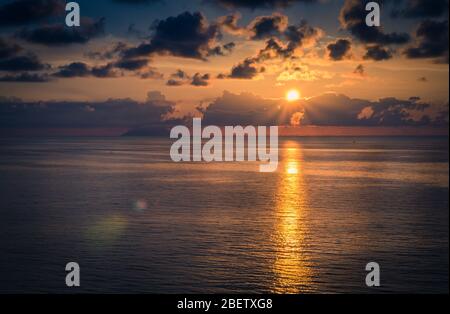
point(292, 271)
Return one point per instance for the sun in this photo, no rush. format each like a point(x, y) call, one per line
point(293, 95)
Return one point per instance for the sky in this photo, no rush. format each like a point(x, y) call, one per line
point(143, 65)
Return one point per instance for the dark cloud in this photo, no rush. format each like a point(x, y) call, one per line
point(395, 112)
point(230, 46)
point(298, 35)
point(22, 63)
point(80, 69)
point(139, 66)
point(360, 70)
point(229, 109)
point(107, 54)
point(325, 110)
point(172, 82)
point(21, 12)
point(75, 69)
point(132, 65)
point(377, 53)
point(132, 31)
point(180, 74)
point(223, 50)
point(264, 27)
point(200, 80)
point(243, 109)
point(59, 35)
point(340, 49)
point(151, 73)
point(156, 96)
point(431, 41)
point(442, 117)
point(295, 36)
point(423, 9)
point(422, 79)
point(12, 60)
point(254, 4)
point(119, 113)
point(180, 78)
point(245, 70)
point(8, 50)
point(187, 35)
point(353, 18)
point(25, 78)
point(229, 23)
point(105, 71)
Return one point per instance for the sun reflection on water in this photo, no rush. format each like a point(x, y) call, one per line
point(292, 270)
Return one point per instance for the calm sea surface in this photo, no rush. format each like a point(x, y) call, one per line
point(138, 223)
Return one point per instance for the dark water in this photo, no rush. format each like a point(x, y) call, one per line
point(136, 222)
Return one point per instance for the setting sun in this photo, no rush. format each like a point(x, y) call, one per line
point(293, 95)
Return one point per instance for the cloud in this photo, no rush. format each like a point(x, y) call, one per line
point(263, 27)
point(352, 18)
point(180, 74)
point(180, 78)
point(295, 36)
point(301, 72)
point(138, 67)
point(324, 110)
point(151, 73)
point(113, 113)
point(59, 35)
point(423, 9)
point(395, 112)
point(243, 109)
point(105, 71)
point(254, 4)
point(80, 69)
point(28, 62)
point(300, 35)
point(229, 109)
point(360, 70)
point(132, 31)
point(431, 41)
point(187, 35)
point(200, 80)
point(8, 50)
point(229, 24)
point(223, 50)
point(21, 12)
point(25, 78)
point(377, 53)
point(108, 53)
point(131, 65)
point(339, 50)
point(156, 96)
point(12, 60)
point(172, 82)
point(75, 69)
point(244, 70)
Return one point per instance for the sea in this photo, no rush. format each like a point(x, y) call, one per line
point(137, 222)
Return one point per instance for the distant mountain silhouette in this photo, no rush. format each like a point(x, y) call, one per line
point(160, 130)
